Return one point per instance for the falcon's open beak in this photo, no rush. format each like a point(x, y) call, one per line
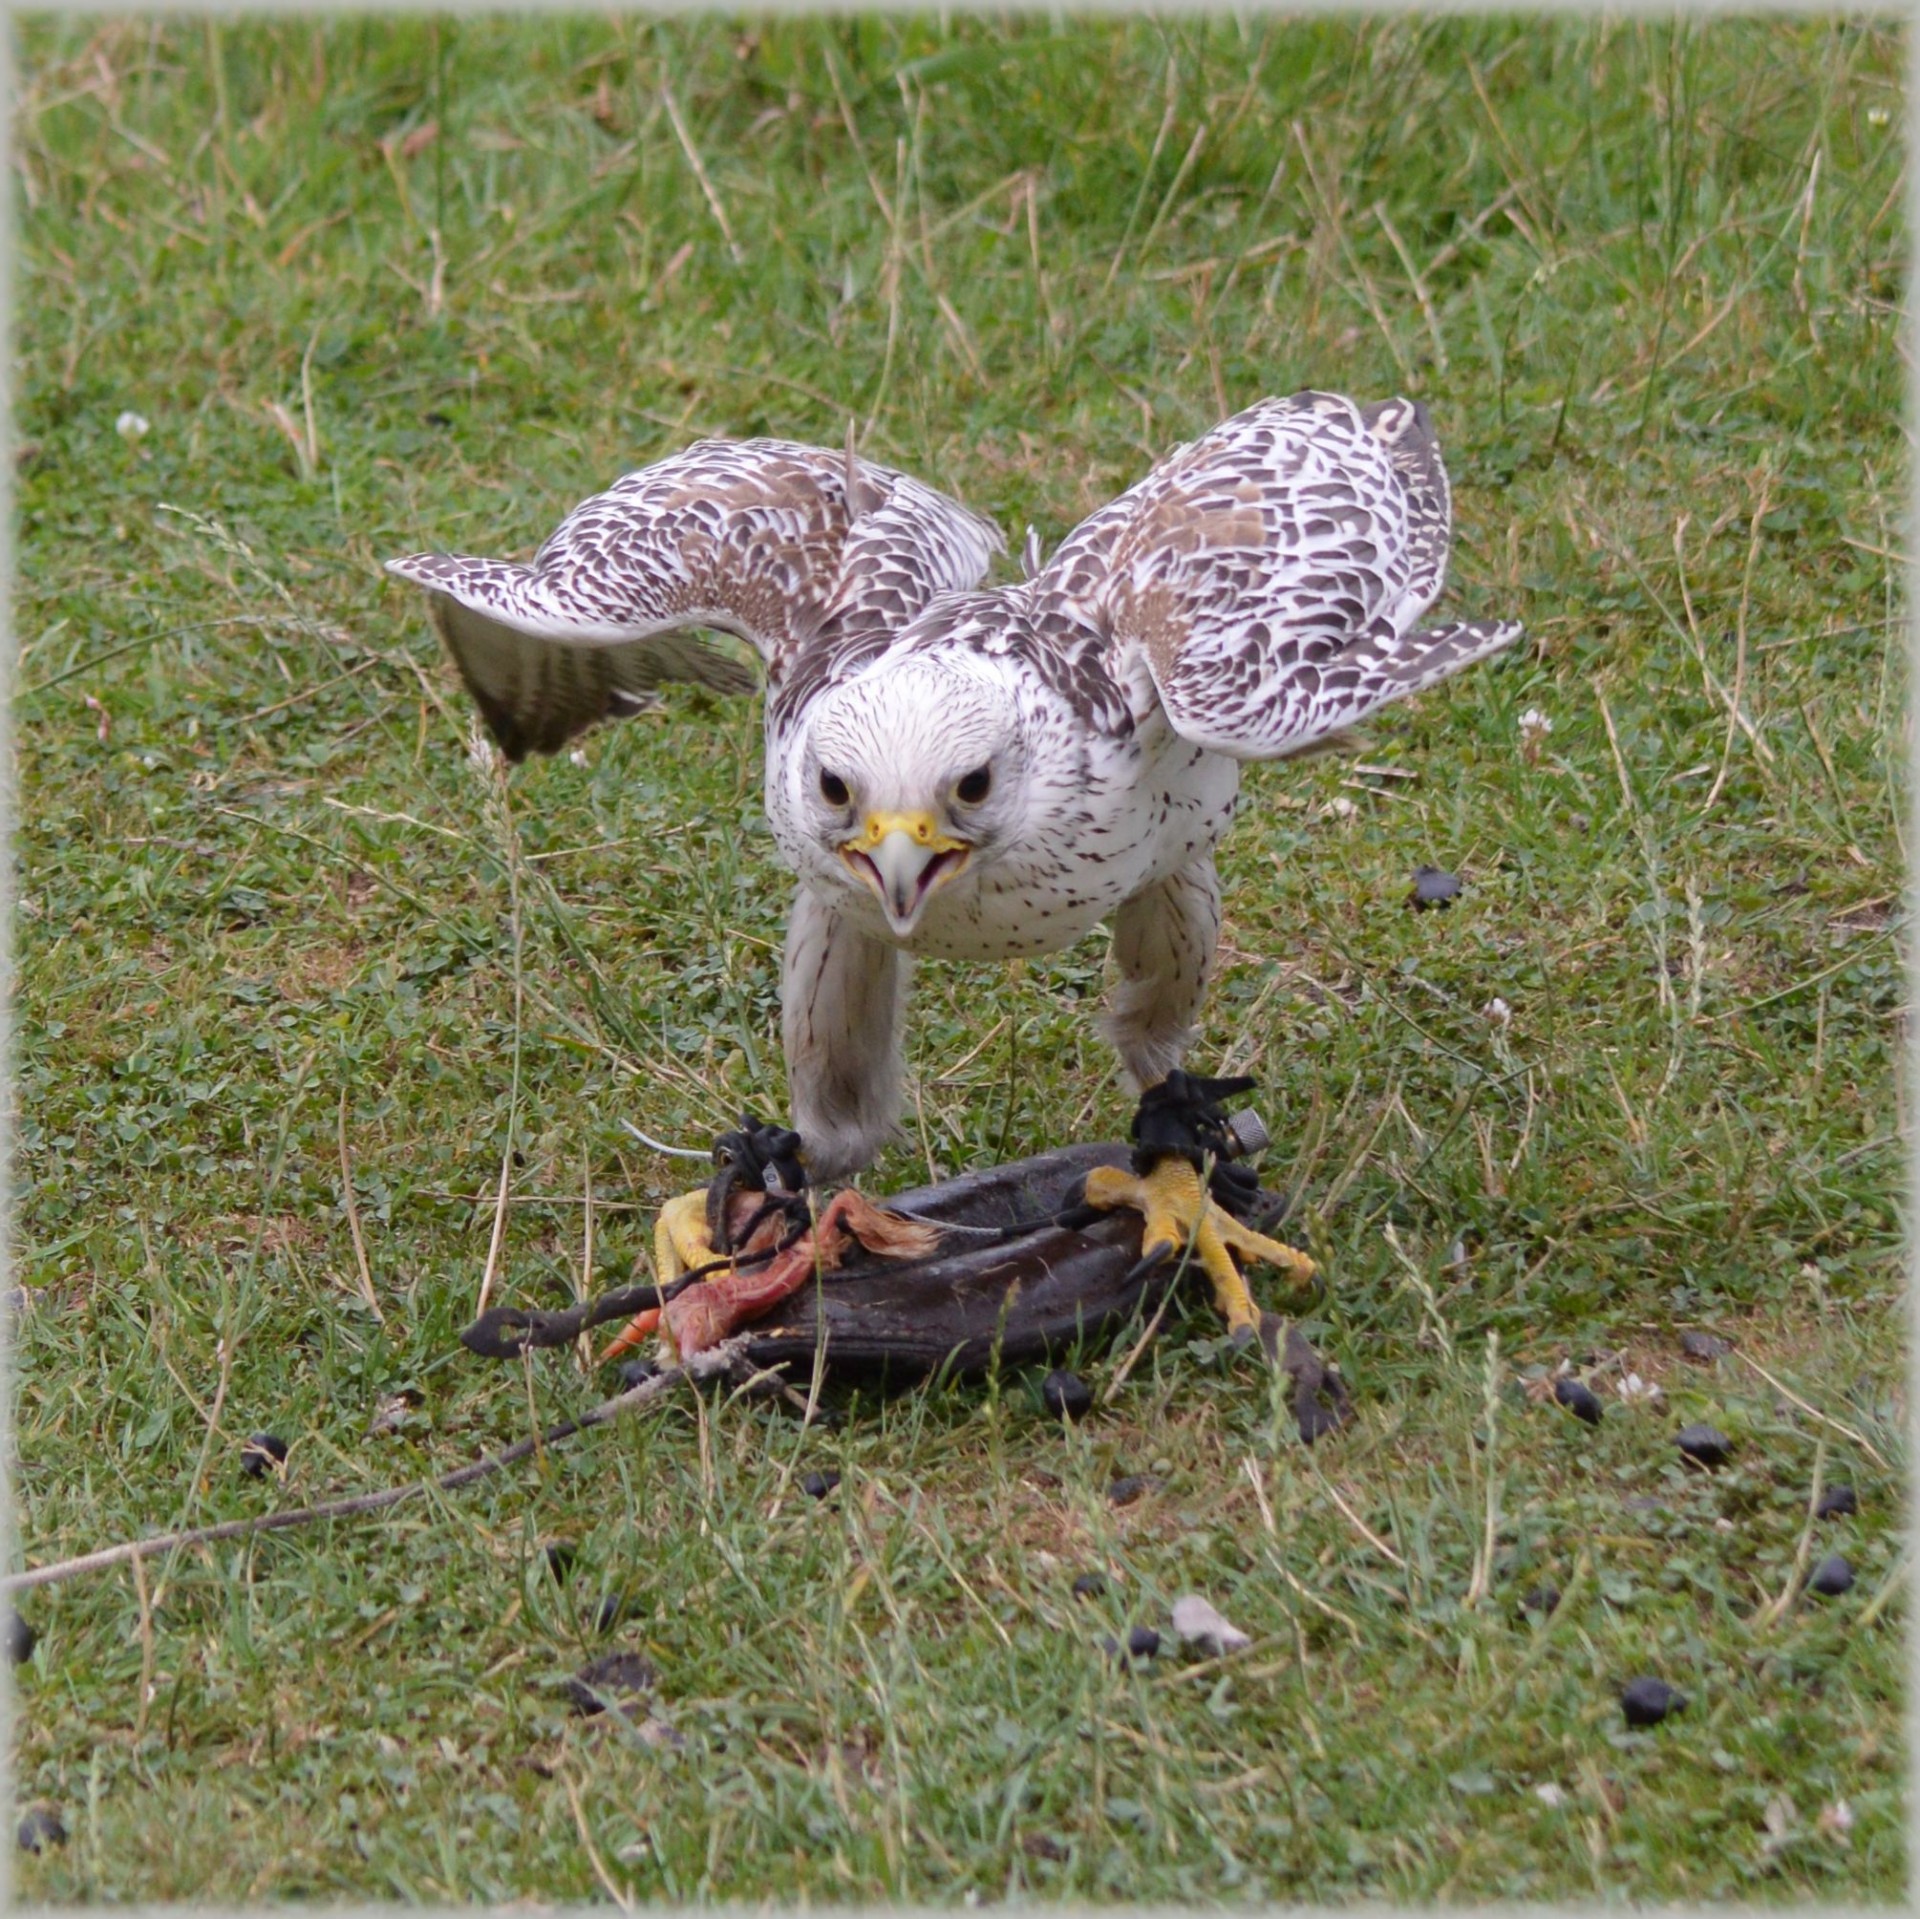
point(904, 857)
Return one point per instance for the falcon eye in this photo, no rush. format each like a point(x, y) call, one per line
point(833, 789)
point(975, 787)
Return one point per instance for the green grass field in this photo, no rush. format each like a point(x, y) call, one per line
point(292, 973)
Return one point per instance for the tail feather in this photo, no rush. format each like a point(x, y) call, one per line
point(1404, 428)
point(534, 691)
point(1431, 654)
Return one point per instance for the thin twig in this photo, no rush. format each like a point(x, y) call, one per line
point(146, 1647)
point(1179, 180)
point(1279, 1565)
point(1127, 1365)
point(510, 852)
point(313, 692)
point(1769, 1615)
point(1471, 231)
point(333, 853)
point(853, 134)
point(1365, 1531)
point(700, 172)
point(584, 1291)
point(1482, 1581)
point(1624, 555)
point(600, 1872)
point(1146, 178)
point(1740, 641)
point(701, 1366)
point(312, 438)
point(391, 819)
point(353, 1219)
point(1544, 1644)
point(499, 1224)
point(890, 275)
point(1419, 285)
point(1330, 213)
point(1619, 762)
point(1878, 1603)
point(1813, 1412)
point(1707, 674)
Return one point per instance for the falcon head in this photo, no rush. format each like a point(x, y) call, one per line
point(913, 777)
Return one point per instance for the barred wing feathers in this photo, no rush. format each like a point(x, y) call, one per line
point(791, 548)
point(1272, 574)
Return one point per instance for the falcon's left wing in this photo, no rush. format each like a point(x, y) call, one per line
point(1271, 574)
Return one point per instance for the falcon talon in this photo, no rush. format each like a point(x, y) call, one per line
point(1183, 1138)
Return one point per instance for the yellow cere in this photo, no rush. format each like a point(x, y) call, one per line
point(922, 828)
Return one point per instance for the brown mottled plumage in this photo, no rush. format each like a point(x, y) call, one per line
point(986, 774)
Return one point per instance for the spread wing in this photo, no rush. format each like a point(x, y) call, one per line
point(792, 548)
point(1271, 575)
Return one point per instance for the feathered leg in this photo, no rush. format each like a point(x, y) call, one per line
point(1163, 944)
point(842, 996)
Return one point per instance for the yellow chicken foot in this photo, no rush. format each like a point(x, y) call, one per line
point(1179, 1212)
point(681, 1237)
point(681, 1242)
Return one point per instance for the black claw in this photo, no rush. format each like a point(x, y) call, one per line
point(1273, 1336)
point(1066, 1395)
point(1321, 1403)
point(1145, 1266)
point(1071, 1219)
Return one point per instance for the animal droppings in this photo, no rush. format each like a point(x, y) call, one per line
point(21, 1640)
point(614, 1610)
point(41, 1830)
point(1648, 1701)
point(1704, 1347)
point(1831, 1577)
point(263, 1453)
point(1704, 1445)
point(1433, 886)
point(1578, 1399)
point(605, 1681)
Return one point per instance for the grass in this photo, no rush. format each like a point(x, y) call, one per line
point(294, 976)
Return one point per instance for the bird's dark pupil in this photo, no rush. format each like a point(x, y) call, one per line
point(975, 787)
point(834, 788)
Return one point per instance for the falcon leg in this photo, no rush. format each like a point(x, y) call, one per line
point(1178, 1211)
point(1163, 945)
point(841, 1000)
